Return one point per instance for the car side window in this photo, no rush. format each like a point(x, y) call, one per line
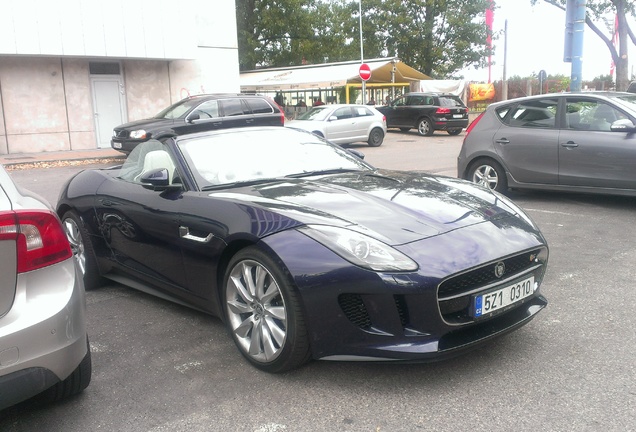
point(209, 109)
point(415, 100)
point(259, 106)
point(343, 113)
point(399, 101)
point(232, 107)
point(590, 115)
point(362, 112)
point(539, 113)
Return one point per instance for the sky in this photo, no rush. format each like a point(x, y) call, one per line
point(535, 42)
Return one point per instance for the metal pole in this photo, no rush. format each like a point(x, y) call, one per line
point(577, 44)
point(504, 81)
point(364, 87)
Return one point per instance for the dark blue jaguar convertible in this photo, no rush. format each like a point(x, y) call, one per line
point(306, 251)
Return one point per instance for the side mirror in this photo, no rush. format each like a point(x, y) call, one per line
point(193, 117)
point(333, 118)
point(158, 180)
point(623, 126)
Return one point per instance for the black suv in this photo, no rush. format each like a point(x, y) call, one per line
point(426, 112)
point(200, 113)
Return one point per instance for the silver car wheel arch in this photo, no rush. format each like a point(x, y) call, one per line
point(256, 311)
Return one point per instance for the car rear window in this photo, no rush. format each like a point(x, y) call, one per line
point(447, 101)
point(539, 113)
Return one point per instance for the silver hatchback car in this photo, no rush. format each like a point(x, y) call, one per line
point(343, 124)
point(575, 142)
point(43, 342)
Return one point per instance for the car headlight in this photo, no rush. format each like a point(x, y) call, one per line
point(360, 249)
point(138, 134)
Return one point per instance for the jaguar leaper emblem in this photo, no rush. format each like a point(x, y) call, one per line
point(500, 269)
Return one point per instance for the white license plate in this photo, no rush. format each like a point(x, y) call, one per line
point(458, 115)
point(116, 145)
point(492, 301)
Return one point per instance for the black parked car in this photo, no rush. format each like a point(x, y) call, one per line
point(426, 112)
point(197, 114)
point(306, 251)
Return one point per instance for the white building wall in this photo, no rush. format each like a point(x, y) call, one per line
point(166, 52)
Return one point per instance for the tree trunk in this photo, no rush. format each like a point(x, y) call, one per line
point(622, 65)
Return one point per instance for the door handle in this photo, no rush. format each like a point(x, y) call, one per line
point(569, 144)
point(184, 233)
point(503, 141)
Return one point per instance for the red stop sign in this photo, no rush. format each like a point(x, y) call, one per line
point(364, 72)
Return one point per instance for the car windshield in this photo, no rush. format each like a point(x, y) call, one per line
point(259, 155)
point(179, 109)
point(629, 100)
point(315, 114)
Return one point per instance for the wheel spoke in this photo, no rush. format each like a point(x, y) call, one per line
point(277, 312)
point(243, 330)
point(276, 331)
point(239, 308)
point(248, 279)
point(269, 347)
point(271, 293)
point(240, 289)
point(259, 282)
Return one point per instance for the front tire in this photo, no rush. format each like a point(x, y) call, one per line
point(425, 127)
point(263, 312)
point(82, 249)
point(454, 131)
point(376, 137)
point(488, 173)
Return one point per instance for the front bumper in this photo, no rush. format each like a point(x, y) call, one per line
point(357, 314)
point(43, 337)
point(124, 146)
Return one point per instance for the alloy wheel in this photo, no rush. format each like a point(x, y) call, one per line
point(256, 311)
point(77, 245)
point(486, 176)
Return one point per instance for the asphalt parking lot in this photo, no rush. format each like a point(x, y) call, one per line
point(162, 367)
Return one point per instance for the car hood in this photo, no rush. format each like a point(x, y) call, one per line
point(148, 124)
point(395, 207)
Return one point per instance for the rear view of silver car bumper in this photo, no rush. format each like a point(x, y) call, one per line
point(43, 336)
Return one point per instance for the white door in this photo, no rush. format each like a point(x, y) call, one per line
point(109, 105)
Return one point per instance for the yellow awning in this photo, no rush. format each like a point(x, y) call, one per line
point(329, 75)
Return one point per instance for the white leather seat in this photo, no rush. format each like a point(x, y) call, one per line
point(158, 159)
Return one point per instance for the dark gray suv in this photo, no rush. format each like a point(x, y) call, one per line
point(578, 142)
point(197, 114)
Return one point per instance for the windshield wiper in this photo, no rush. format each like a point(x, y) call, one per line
point(238, 184)
point(322, 172)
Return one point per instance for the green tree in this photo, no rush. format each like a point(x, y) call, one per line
point(596, 12)
point(437, 37)
point(273, 32)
